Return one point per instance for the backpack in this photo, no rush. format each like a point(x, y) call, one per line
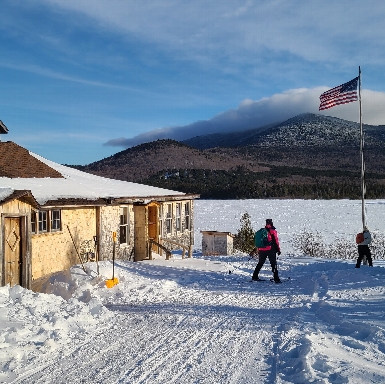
point(359, 238)
point(260, 238)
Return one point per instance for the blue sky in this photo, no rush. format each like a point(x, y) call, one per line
point(82, 80)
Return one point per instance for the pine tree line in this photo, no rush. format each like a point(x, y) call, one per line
point(281, 182)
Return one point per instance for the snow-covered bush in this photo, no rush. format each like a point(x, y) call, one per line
point(309, 243)
point(377, 246)
point(244, 240)
point(312, 244)
point(342, 249)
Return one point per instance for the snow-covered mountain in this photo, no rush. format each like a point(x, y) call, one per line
point(305, 130)
point(309, 155)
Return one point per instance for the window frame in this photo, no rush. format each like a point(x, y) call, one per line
point(33, 222)
point(178, 217)
point(125, 224)
point(46, 221)
point(43, 221)
point(169, 221)
point(160, 227)
point(187, 216)
point(55, 222)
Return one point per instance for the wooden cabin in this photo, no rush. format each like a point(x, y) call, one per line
point(50, 213)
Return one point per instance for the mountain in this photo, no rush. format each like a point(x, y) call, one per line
point(308, 155)
point(139, 163)
point(305, 130)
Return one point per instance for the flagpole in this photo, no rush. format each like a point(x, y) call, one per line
point(362, 153)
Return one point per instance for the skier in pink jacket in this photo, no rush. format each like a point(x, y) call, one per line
point(270, 251)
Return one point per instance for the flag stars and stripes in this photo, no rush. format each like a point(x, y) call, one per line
point(343, 94)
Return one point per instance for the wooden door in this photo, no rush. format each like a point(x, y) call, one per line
point(12, 246)
point(152, 222)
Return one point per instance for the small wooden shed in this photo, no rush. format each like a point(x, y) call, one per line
point(217, 243)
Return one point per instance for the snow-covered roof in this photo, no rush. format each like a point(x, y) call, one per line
point(76, 184)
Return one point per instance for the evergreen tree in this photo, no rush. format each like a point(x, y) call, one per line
point(244, 239)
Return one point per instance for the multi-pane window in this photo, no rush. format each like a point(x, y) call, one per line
point(124, 225)
point(169, 218)
point(55, 220)
point(178, 222)
point(43, 221)
point(187, 216)
point(33, 222)
point(160, 220)
point(46, 221)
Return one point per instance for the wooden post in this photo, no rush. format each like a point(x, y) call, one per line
point(113, 254)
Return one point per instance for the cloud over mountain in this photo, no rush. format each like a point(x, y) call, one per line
point(274, 109)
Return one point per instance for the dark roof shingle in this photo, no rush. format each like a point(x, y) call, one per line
point(16, 161)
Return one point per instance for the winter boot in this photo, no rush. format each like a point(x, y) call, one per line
point(276, 277)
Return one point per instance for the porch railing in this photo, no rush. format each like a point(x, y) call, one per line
point(185, 248)
point(160, 245)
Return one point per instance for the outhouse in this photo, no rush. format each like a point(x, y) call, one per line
point(217, 243)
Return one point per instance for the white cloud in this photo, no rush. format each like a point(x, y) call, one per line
point(274, 109)
point(314, 31)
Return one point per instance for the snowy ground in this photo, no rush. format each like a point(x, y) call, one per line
point(192, 321)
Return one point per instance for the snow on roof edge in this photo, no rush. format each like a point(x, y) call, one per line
point(79, 184)
point(5, 192)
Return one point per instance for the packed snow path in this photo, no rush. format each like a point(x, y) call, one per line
point(192, 321)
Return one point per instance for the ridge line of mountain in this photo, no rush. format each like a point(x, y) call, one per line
point(297, 152)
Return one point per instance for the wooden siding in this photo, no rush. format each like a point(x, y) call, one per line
point(109, 222)
point(55, 251)
point(49, 252)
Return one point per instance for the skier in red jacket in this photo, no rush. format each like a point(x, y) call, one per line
point(270, 251)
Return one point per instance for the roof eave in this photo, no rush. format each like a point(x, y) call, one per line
point(23, 195)
point(3, 128)
point(149, 199)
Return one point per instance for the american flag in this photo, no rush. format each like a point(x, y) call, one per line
point(343, 94)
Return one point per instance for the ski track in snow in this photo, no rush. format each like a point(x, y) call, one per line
point(191, 321)
point(222, 328)
point(315, 349)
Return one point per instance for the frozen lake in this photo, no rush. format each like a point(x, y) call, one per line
point(332, 218)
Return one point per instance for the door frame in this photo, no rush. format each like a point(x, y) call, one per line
point(25, 248)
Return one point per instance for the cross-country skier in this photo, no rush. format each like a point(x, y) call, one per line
point(363, 248)
point(269, 251)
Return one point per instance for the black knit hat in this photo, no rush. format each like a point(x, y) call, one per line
point(269, 222)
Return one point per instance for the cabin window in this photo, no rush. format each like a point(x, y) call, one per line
point(46, 221)
point(43, 221)
point(160, 220)
point(178, 217)
point(187, 216)
point(33, 222)
point(169, 218)
point(55, 220)
point(124, 225)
